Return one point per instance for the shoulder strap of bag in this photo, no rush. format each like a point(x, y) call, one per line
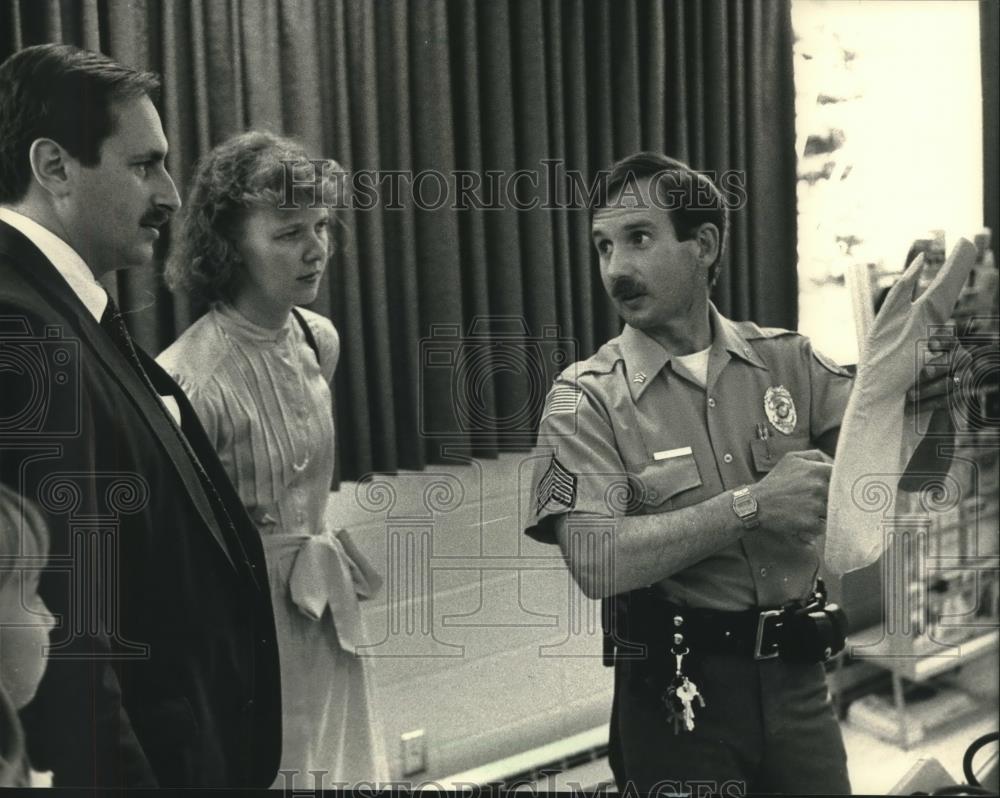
point(307, 331)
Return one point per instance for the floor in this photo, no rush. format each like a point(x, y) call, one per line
point(875, 766)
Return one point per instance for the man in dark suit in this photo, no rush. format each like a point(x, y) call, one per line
point(163, 667)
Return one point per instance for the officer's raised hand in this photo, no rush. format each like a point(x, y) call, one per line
point(792, 497)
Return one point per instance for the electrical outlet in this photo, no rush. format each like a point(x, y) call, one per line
point(414, 745)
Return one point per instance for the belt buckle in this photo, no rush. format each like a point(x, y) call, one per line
point(762, 621)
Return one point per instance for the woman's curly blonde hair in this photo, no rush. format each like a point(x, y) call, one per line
point(250, 170)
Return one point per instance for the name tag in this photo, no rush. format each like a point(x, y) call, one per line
point(669, 454)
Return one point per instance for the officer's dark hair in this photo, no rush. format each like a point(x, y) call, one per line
point(63, 93)
point(691, 198)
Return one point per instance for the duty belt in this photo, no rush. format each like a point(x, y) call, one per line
point(803, 631)
point(755, 632)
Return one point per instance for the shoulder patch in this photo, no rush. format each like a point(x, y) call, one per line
point(563, 398)
point(830, 365)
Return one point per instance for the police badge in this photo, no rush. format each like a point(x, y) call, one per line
point(780, 409)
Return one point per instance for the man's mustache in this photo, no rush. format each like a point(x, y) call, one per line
point(626, 287)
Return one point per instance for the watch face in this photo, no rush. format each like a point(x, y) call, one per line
point(744, 504)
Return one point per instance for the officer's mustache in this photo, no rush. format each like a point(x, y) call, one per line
point(626, 287)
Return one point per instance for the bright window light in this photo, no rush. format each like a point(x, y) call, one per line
point(889, 134)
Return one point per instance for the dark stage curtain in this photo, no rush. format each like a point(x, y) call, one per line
point(435, 85)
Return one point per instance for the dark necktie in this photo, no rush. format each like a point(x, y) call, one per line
point(114, 325)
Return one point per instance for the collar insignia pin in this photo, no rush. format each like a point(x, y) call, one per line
point(640, 377)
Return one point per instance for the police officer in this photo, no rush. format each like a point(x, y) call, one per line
point(683, 470)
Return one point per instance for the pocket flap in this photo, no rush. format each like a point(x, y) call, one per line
point(664, 479)
point(766, 454)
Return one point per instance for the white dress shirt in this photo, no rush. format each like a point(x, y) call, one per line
point(66, 260)
point(73, 270)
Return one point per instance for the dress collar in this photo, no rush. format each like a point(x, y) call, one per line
point(235, 323)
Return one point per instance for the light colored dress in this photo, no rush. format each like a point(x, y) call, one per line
point(264, 400)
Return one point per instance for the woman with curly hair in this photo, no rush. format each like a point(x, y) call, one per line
point(257, 369)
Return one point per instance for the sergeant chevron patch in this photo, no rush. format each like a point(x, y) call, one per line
point(556, 485)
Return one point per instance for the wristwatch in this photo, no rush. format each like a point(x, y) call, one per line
point(745, 507)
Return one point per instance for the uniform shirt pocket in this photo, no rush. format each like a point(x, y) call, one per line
point(767, 453)
point(662, 480)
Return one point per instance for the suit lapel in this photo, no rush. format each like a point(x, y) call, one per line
point(37, 269)
point(246, 533)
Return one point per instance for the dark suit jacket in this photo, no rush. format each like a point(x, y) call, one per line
point(163, 668)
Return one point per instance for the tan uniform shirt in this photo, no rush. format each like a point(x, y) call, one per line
point(628, 432)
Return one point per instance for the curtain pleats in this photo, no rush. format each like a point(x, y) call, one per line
point(446, 94)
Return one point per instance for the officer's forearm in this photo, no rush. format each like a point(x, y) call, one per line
point(643, 549)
